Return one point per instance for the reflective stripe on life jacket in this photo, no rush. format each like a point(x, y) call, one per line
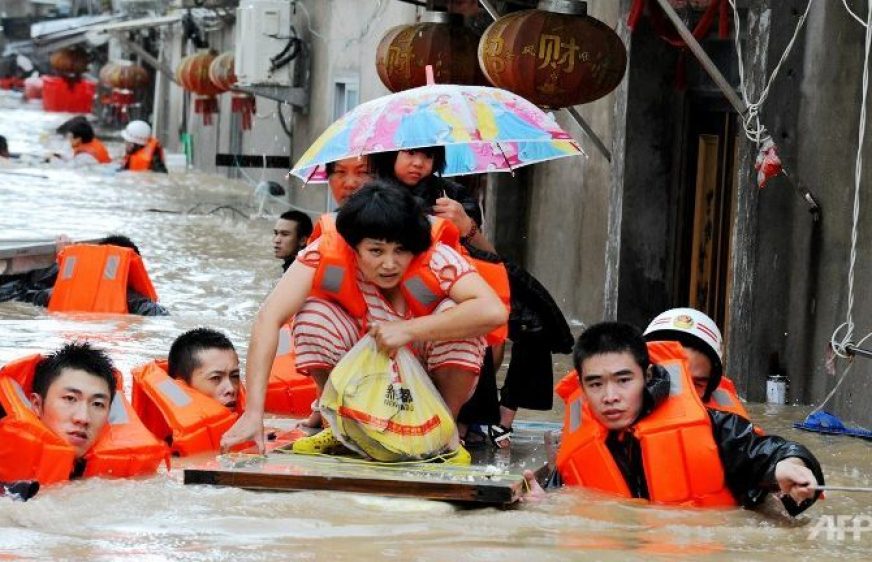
point(174, 412)
point(96, 149)
point(95, 278)
point(124, 448)
point(140, 161)
point(288, 392)
point(679, 454)
point(336, 279)
point(726, 399)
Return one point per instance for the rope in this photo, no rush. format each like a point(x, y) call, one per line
point(853, 15)
point(839, 344)
point(754, 128)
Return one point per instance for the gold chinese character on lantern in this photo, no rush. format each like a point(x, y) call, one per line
point(553, 59)
point(558, 54)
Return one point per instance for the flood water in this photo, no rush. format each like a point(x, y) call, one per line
point(214, 269)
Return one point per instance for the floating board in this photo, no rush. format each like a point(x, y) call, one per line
point(30, 247)
point(494, 478)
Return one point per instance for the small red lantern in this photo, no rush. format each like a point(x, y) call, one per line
point(442, 42)
point(553, 58)
point(223, 75)
point(193, 75)
point(70, 61)
point(122, 77)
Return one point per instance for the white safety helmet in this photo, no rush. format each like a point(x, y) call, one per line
point(137, 132)
point(678, 324)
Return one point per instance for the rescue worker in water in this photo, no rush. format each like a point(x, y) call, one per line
point(142, 152)
point(629, 424)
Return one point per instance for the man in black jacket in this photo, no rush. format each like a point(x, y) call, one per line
point(621, 390)
point(36, 285)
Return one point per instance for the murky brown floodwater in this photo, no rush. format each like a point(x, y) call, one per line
point(214, 269)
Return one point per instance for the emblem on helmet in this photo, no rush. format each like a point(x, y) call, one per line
point(683, 322)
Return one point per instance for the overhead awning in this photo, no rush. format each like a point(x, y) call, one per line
point(56, 34)
point(139, 23)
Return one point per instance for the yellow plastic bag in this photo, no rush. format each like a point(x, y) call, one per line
point(387, 409)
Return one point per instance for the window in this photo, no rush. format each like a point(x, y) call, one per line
point(346, 96)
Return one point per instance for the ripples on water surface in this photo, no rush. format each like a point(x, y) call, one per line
point(214, 269)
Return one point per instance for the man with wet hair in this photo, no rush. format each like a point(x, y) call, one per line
point(290, 234)
point(207, 361)
point(86, 147)
point(630, 424)
point(72, 391)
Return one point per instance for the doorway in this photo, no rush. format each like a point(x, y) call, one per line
point(705, 214)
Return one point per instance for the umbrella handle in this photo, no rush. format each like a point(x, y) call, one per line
point(428, 71)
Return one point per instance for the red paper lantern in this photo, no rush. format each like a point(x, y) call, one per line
point(123, 75)
point(553, 59)
point(222, 72)
point(223, 75)
point(71, 60)
point(193, 75)
point(444, 43)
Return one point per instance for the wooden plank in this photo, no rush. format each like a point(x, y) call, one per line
point(30, 247)
point(494, 478)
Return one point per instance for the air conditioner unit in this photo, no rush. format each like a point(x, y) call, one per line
point(263, 29)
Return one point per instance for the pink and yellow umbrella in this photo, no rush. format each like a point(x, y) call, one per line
point(482, 129)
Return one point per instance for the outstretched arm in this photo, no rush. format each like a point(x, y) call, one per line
point(755, 465)
point(282, 303)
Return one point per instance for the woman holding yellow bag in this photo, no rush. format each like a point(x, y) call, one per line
point(381, 272)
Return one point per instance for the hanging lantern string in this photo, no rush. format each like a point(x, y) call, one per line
point(754, 128)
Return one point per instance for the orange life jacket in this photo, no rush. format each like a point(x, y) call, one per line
point(96, 149)
point(679, 454)
point(30, 450)
point(140, 161)
point(443, 231)
point(726, 399)
point(176, 413)
point(566, 386)
point(94, 278)
point(288, 392)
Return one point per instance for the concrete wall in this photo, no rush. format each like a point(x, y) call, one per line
point(811, 277)
point(555, 214)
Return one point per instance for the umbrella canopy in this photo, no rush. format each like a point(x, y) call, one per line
point(482, 129)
